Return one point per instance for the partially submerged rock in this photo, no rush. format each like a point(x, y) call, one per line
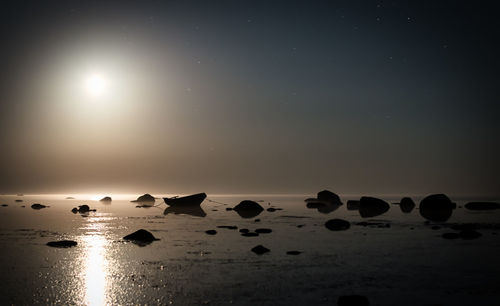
point(407, 205)
point(337, 225)
point(62, 244)
point(371, 207)
point(211, 232)
point(83, 209)
point(106, 199)
point(141, 237)
point(293, 252)
point(260, 249)
point(38, 206)
point(263, 230)
point(482, 205)
point(145, 198)
point(436, 207)
point(325, 202)
point(248, 209)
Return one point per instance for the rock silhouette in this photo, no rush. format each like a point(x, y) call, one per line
point(325, 202)
point(436, 207)
point(141, 237)
point(482, 205)
point(260, 249)
point(337, 225)
point(145, 198)
point(407, 205)
point(106, 199)
point(83, 209)
point(62, 244)
point(211, 232)
point(263, 230)
point(248, 209)
point(38, 206)
point(293, 252)
point(371, 207)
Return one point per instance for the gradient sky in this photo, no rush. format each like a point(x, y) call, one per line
point(250, 97)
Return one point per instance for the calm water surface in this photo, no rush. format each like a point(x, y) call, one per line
point(407, 263)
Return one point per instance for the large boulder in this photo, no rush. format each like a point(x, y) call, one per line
point(406, 204)
point(248, 209)
point(371, 207)
point(482, 205)
point(436, 207)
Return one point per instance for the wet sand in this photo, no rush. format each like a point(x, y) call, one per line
point(407, 262)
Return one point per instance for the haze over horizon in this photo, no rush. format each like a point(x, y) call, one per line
point(359, 97)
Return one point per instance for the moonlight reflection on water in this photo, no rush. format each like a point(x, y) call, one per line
point(95, 269)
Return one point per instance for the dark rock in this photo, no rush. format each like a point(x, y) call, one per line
point(38, 206)
point(229, 208)
point(263, 230)
point(83, 208)
point(250, 234)
point(450, 235)
point(141, 237)
point(300, 225)
point(231, 227)
point(256, 220)
point(5, 205)
point(259, 250)
point(407, 205)
point(371, 207)
point(436, 208)
point(337, 225)
point(74, 210)
point(353, 205)
point(482, 205)
point(70, 198)
point(353, 300)
point(469, 234)
point(62, 243)
point(107, 199)
point(271, 209)
point(19, 200)
point(248, 209)
point(323, 207)
point(244, 230)
point(145, 198)
point(293, 252)
point(328, 196)
point(211, 232)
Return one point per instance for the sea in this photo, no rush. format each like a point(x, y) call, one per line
point(396, 258)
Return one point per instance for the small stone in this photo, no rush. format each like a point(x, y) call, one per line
point(231, 227)
point(293, 252)
point(271, 209)
point(38, 206)
point(244, 230)
point(5, 205)
point(263, 230)
point(62, 243)
point(106, 199)
point(337, 225)
point(260, 249)
point(211, 232)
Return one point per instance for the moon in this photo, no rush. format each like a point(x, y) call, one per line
point(96, 85)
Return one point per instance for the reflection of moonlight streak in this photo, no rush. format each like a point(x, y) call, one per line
point(95, 268)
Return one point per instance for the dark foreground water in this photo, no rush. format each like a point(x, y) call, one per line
point(400, 260)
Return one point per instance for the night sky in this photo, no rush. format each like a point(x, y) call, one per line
point(251, 97)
